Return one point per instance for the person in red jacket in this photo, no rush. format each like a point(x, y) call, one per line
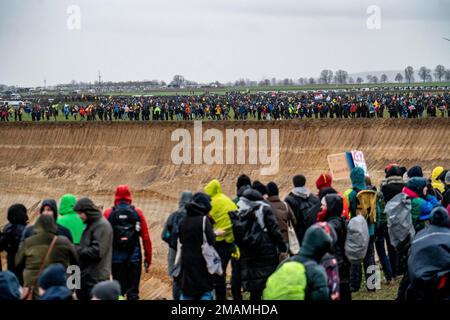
point(129, 224)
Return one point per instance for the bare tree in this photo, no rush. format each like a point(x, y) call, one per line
point(369, 78)
point(375, 79)
point(409, 74)
point(359, 80)
point(383, 78)
point(326, 76)
point(399, 77)
point(341, 76)
point(178, 80)
point(447, 75)
point(439, 72)
point(311, 81)
point(424, 73)
point(351, 80)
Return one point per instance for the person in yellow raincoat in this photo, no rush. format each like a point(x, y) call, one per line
point(221, 205)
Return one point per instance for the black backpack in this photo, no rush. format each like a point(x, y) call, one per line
point(126, 226)
point(246, 229)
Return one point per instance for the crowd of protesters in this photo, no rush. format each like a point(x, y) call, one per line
point(311, 245)
point(236, 106)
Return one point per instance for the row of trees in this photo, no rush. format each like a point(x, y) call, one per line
point(424, 74)
point(326, 77)
point(341, 77)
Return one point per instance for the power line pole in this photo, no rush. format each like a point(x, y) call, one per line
point(99, 81)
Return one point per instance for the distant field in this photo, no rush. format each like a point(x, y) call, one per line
point(280, 88)
point(166, 92)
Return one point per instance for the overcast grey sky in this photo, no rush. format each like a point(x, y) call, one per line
point(208, 40)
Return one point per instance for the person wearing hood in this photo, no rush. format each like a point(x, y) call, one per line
point(11, 236)
point(107, 290)
point(415, 171)
point(33, 250)
point(435, 182)
point(259, 260)
point(69, 218)
point(281, 210)
point(48, 207)
point(127, 257)
point(324, 181)
point(243, 183)
point(196, 282)
point(261, 188)
point(10, 288)
point(316, 243)
point(53, 284)
point(332, 206)
point(421, 204)
point(302, 202)
point(393, 184)
point(421, 207)
point(170, 235)
point(221, 205)
point(95, 248)
point(358, 179)
point(429, 260)
point(446, 195)
point(390, 187)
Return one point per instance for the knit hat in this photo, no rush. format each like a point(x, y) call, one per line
point(415, 171)
point(261, 188)
point(324, 181)
point(439, 217)
point(272, 189)
point(395, 171)
point(243, 180)
point(17, 214)
point(53, 276)
point(9, 286)
point(107, 290)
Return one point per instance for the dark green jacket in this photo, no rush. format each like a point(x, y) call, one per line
point(32, 250)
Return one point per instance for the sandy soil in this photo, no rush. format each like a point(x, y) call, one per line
point(47, 160)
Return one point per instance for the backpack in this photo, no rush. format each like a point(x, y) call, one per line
point(288, 282)
point(329, 263)
point(399, 221)
point(310, 213)
point(126, 226)
point(171, 236)
point(357, 239)
point(248, 230)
